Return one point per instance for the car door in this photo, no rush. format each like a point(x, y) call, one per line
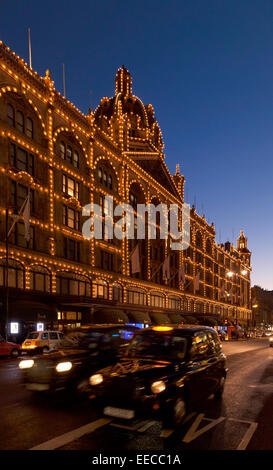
point(53, 340)
point(197, 377)
point(60, 339)
point(215, 362)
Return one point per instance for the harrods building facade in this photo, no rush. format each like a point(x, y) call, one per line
point(65, 160)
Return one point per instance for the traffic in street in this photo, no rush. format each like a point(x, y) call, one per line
point(240, 420)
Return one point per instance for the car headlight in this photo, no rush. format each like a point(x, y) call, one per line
point(158, 387)
point(26, 364)
point(271, 339)
point(96, 379)
point(63, 366)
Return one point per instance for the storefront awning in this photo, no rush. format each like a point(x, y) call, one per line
point(110, 316)
point(138, 317)
point(191, 320)
point(160, 318)
point(31, 311)
point(176, 319)
point(208, 321)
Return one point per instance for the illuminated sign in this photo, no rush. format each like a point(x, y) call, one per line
point(14, 328)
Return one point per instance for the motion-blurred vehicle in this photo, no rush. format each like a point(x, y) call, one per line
point(223, 336)
point(164, 370)
point(270, 339)
point(8, 348)
point(42, 341)
point(85, 350)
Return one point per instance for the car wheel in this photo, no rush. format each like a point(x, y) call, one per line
point(220, 389)
point(45, 349)
point(175, 415)
point(14, 353)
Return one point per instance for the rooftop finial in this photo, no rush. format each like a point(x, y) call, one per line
point(123, 81)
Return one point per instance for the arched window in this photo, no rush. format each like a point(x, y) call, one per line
point(100, 289)
point(40, 279)
point(157, 300)
point(72, 284)
point(10, 115)
point(136, 296)
point(20, 121)
point(16, 274)
point(117, 292)
point(29, 128)
point(199, 307)
point(70, 154)
point(174, 302)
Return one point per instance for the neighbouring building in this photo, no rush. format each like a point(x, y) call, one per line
point(65, 160)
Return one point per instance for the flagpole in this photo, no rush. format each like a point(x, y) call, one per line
point(64, 90)
point(29, 48)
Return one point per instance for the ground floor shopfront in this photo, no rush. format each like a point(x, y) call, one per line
point(30, 310)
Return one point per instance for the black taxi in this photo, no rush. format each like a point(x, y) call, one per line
point(84, 350)
point(164, 370)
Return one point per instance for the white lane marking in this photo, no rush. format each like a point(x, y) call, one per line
point(261, 386)
point(146, 426)
point(166, 433)
point(71, 436)
point(193, 433)
point(249, 433)
point(124, 426)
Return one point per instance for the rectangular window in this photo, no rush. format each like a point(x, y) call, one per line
point(18, 236)
point(69, 154)
point(19, 194)
point(21, 159)
point(70, 187)
point(106, 261)
point(71, 249)
point(76, 159)
point(71, 218)
point(29, 128)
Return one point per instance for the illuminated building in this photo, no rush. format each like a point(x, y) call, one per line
point(66, 160)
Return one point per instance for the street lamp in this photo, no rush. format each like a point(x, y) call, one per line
point(254, 307)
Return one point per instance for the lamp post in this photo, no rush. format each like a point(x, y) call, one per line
point(8, 232)
point(7, 275)
point(254, 307)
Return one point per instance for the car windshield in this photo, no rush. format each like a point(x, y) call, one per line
point(32, 335)
point(157, 346)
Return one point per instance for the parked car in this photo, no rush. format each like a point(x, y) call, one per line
point(85, 350)
point(42, 341)
point(9, 349)
point(165, 371)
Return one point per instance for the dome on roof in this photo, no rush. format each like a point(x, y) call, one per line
point(141, 119)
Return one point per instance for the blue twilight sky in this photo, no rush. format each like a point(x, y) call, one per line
point(205, 65)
